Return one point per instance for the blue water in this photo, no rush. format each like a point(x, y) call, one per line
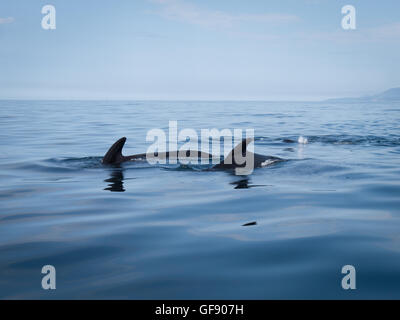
point(170, 231)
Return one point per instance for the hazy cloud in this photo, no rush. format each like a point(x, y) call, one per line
point(187, 12)
point(387, 32)
point(6, 20)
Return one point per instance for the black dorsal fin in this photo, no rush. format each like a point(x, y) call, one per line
point(241, 148)
point(114, 154)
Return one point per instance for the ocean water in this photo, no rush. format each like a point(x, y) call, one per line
point(141, 231)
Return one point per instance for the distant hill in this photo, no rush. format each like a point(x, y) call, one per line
point(389, 95)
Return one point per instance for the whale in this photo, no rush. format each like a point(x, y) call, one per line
point(238, 157)
point(114, 154)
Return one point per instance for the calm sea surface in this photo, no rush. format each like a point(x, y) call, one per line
point(174, 231)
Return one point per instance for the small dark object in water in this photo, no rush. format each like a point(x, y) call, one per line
point(288, 141)
point(249, 224)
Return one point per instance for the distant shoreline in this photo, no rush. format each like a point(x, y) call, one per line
point(391, 95)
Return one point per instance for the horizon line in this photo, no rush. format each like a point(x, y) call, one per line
point(164, 100)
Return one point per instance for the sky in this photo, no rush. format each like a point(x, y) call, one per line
point(198, 49)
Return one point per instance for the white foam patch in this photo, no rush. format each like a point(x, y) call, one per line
point(267, 162)
point(302, 140)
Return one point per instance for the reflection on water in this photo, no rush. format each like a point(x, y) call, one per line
point(244, 184)
point(116, 181)
point(241, 184)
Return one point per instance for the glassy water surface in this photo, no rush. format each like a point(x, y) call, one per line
point(175, 231)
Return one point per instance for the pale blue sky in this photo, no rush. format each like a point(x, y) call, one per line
point(208, 49)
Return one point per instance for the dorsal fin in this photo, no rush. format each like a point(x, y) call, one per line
point(114, 154)
point(241, 149)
